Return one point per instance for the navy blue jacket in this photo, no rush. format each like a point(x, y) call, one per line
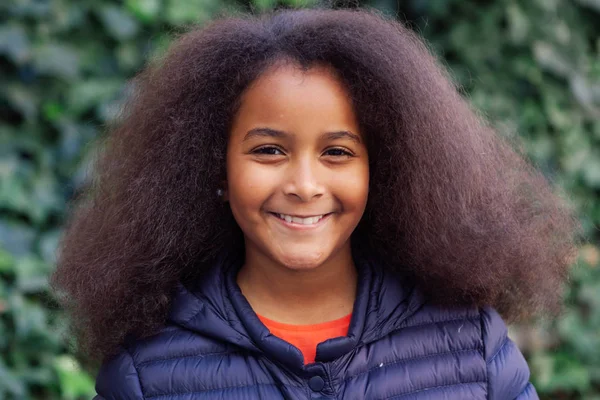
point(398, 347)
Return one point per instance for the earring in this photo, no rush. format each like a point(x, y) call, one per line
point(219, 192)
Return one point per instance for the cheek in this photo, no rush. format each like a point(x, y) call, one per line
point(248, 187)
point(352, 188)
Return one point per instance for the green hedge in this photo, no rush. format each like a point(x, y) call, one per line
point(531, 66)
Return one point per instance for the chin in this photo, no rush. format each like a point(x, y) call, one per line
point(302, 261)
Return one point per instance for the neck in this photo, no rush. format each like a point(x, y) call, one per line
point(300, 297)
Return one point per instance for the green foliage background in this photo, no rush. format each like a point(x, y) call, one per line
point(532, 66)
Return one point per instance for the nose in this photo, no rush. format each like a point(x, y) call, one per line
point(303, 180)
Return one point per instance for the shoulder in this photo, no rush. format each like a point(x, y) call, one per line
point(118, 378)
point(482, 323)
point(466, 319)
point(481, 330)
point(127, 375)
point(494, 333)
point(497, 346)
point(507, 369)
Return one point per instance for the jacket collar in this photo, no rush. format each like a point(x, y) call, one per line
point(215, 307)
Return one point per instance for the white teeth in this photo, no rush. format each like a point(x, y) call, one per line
point(303, 221)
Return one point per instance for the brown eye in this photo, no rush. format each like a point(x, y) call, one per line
point(268, 150)
point(338, 152)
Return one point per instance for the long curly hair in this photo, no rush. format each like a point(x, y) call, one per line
point(453, 205)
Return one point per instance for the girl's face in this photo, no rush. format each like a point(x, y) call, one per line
point(297, 167)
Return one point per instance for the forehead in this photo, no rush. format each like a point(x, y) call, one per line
point(297, 100)
point(284, 77)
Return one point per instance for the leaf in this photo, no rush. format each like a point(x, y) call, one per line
point(31, 274)
point(22, 100)
point(551, 59)
point(264, 4)
point(129, 56)
point(73, 140)
point(591, 171)
point(48, 244)
point(559, 372)
point(91, 93)
point(9, 382)
point(17, 238)
point(7, 263)
point(14, 43)
point(30, 9)
point(144, 10)
point(29, 317)
point(518, 23)
point(38, 197)
point(74, 382)
point(53, 110)
point(117, 23)
point(587, 94)
point(179, 12)
point(594, 4)
point(56, 59)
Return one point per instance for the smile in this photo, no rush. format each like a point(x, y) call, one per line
point(296, 220)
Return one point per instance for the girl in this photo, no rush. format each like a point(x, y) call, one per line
point(300, 205)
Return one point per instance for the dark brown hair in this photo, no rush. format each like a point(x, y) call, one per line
point(453, 205)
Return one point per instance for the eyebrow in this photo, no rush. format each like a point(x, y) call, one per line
point(268, 132)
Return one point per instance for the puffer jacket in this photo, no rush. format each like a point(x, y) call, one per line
point(398, 347)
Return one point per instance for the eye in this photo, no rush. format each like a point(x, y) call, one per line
point(268, 150)
point(338, 152)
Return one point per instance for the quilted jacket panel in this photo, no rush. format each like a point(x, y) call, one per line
point(398, 347)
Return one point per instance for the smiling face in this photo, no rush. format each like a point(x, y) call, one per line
point(297, 168)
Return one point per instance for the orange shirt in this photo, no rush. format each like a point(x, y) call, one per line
point(307, 337)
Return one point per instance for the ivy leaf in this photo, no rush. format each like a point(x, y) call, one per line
point(74, 382)
point(17, 238)
point(31, 274)
point(180, 12)
point(56, 59)
point(91, 93)
point(144, 10)
point(118, 24)
point(9, 383)
point(14, 43)
point(594, 4)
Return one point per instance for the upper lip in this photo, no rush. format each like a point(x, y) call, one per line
point(300, 216)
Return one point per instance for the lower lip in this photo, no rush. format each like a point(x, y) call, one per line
point(302, 227)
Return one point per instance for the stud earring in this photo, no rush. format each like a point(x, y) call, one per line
point(220, 192)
